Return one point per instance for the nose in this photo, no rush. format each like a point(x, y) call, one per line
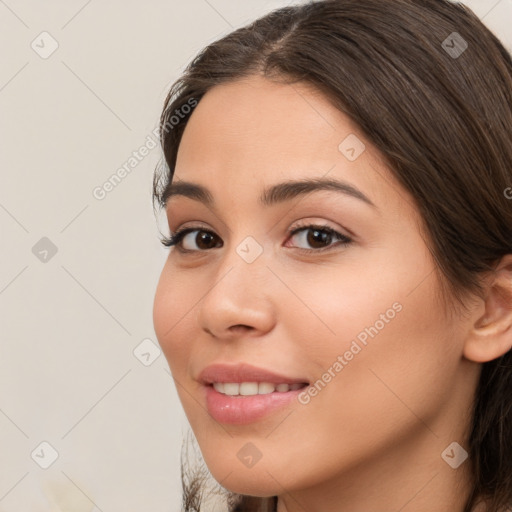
point(239, 300)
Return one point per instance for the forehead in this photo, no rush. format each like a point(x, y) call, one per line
point(248, 134)
point(255, 116)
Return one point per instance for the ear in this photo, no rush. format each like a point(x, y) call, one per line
point(491, 334)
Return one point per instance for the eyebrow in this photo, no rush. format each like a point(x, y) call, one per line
point(272, 195)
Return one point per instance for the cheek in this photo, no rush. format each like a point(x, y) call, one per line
point(173, 304)
point(394, 340)
point(379, 349)
point(366, 300)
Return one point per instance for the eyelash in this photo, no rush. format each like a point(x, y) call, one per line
point(176, 238)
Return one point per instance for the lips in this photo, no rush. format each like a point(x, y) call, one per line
point(222, 382)
point(244, 372)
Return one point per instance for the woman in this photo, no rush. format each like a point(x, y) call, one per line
point(336, 308)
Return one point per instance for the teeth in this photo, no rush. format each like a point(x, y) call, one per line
point(253, 388)
point(219, 386)
point(248, 388)
point(265, 387)
point(231, 388)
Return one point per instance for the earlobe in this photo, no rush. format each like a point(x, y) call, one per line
point(491, 334)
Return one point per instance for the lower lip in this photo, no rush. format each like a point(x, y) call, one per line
point(243, 410)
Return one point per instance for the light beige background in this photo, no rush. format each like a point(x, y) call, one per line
point(79, 366)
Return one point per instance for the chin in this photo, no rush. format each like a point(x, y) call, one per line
point(257, 481)
point(251, 486)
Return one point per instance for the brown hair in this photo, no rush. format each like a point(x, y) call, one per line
point(439, 112)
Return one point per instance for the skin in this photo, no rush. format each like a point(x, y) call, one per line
point(372, 438)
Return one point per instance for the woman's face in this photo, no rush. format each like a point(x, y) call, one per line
point(360, 323)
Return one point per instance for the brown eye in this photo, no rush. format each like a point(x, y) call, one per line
point(319, 238)
point(203, 240)
point(316, 236)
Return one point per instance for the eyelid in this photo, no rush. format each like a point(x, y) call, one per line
point(199, 225)
point(322, 225)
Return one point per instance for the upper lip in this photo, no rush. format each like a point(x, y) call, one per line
point(243, 372)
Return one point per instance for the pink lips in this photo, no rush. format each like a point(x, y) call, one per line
point(243, 410)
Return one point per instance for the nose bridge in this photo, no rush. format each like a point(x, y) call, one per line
point(240, 292)
point(243, 267)
point(247, 245)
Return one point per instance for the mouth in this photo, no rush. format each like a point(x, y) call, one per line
point(243, 394)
